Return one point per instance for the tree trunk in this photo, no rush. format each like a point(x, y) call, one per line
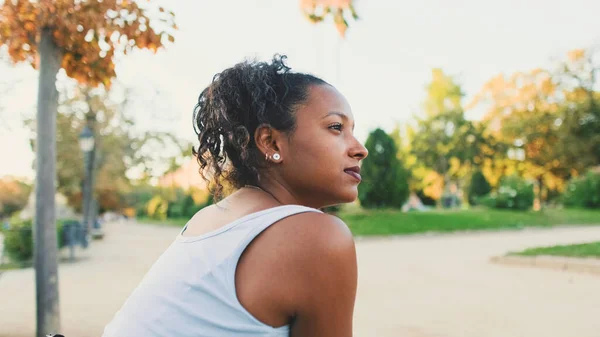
point(46, 265)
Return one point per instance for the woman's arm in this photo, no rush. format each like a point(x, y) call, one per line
point(329, 282)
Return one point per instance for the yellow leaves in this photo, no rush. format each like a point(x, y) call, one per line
point(331, 3)
point(340, 22)
point(576, 55)
point(317, 11)
point(434, 185)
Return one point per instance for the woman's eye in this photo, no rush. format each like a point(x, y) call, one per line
point(336, 126)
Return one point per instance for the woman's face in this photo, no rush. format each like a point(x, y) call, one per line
point(320, 160)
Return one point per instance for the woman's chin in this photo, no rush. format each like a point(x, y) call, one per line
point(348, 196)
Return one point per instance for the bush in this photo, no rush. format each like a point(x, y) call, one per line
point(513, 193)
point(157, 208)
point(139, 197)
point(425, 199)
point(583, 191)
point(183, 207)
point(478, 187)
point(333, 210)
point(385, 181)
point(18, 239)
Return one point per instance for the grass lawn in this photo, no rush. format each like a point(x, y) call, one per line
point(591, 249)
point(394, 222)
point(15, 265)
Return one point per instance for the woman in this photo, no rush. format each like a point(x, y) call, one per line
point(264, 261)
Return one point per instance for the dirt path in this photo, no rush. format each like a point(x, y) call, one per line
point(417, 286)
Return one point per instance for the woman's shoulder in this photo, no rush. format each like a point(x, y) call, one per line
point(313, 240)
point(301, 258)
point(307, 238)
point(316, 230)
point(321, 249)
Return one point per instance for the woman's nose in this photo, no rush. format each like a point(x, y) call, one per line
point(358, 151)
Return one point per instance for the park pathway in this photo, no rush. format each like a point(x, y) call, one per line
point(412, 286)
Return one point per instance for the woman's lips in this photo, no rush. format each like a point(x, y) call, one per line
point(354, 172)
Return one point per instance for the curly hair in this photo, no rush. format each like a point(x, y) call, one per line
point(233, 106)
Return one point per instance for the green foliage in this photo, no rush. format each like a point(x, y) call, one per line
point(448, 135)
point(425, 199)
point(583, 191)
point(162, 203)
point(118, 146)
point(335, 209)
point(157, 208)
point(138, 198)
point(18, 239)
point(478, 187)
point(443, 94)
point(385, 181)
point(513, 192)
point(184, 206)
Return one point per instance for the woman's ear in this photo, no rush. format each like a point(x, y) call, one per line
point(268, 141)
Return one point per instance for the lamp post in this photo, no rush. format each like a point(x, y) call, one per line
point(87, 144)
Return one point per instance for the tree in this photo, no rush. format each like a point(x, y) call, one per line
point(444, 141)
point(341, 11)
point(385, 181)
point(118, 149)
point(81, 37)
point(443, 94)
point(577, 77)
point(526, 112)
point(13, 196)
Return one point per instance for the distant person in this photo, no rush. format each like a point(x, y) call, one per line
point(263, 261)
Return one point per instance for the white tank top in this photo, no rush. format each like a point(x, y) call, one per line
point(190, 289)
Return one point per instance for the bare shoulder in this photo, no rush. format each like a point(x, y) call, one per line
point(313, 243)
point(322, 248)
point(318, 231)
point(314, 259)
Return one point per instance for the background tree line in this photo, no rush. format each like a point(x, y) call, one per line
point(539, 140)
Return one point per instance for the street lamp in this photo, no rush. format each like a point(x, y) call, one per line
point(86, 143)
point(86, 140)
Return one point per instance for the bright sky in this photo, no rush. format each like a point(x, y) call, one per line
point(382, 66)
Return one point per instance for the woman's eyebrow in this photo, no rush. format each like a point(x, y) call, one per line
point(336, 113)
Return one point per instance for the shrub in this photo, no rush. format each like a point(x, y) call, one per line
point(478, 187)
point(333, 210)
point(385, 181)
point(513, 193)
point(139, 197)
point(583, 191)
point(157, 208)
point(183, 206)
point(18, 239)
